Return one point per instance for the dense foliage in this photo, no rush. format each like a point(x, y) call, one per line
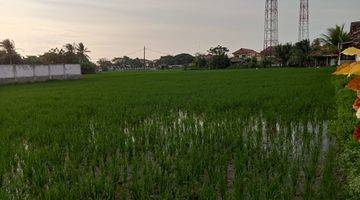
point(335, 36)
point(343, 128)
point(180, 59)
point(71, 54)
point(217, 58)
point(8, 54)
point(230, 134)
point(163, 62)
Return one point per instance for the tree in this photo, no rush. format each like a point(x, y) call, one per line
point(32, 60)
point(283, 53)
point(70, 55)
point(81, 52)
point(253, 63)
point(87, 67)
point(268, 61)
point(70, 48)
point(219, 58)
point(300, 55)
point(316, 44)
point(218, 51)
point(318, 48)
point(9, 55)
point(183, 59)
point(166, 60)
point(53, 56)
point(199, 61)
point(335, 36)
point(104, 63)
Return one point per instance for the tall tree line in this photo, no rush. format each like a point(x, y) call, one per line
point(71, 53)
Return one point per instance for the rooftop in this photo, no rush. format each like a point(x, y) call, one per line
point(244, 51)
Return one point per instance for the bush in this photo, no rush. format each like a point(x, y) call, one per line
point(219, 62)
point(88, 68)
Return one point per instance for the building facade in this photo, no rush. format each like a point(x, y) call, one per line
point(355, 36)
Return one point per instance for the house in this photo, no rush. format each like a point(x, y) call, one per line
point(245, 53)
point(321, 60)
point(243, 56)
point(355, 33)
point(355, 36)
point(355, 42)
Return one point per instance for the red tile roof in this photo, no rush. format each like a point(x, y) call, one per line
point(244, 51)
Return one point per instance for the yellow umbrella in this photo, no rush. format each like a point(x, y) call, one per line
point(343, 69)
point(352, 51)
point(355, 68)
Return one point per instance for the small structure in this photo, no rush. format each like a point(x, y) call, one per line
point(323, 60)
point(243, 56)
point(355, 42)
point(355, 35)
point(246, 53)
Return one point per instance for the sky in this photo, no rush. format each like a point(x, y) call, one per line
point(115, 28)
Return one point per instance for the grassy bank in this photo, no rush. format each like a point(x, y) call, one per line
point(235, 134)
point(343, 128)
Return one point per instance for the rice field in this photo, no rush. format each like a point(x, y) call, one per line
point(233, 134)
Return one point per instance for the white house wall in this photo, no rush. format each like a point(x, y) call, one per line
point(41, 70)
point(72, 69)
point(6, 71)
point(57, 70)
point(24, 71)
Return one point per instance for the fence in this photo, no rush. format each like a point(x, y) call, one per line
point(33, 73)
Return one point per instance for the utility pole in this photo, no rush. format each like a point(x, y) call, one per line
point(144, 57)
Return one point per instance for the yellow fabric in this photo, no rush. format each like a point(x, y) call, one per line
point(355, 68)
point(351, 51)
point(343, 69)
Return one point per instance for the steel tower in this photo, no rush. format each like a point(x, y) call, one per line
point(304, 20)
point(271, 32)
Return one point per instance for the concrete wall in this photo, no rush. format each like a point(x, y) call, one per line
point(31, 73)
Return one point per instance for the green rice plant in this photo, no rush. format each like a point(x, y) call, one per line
point(232, 134)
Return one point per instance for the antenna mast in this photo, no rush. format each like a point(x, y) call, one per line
point(271, 30)
point(304, 20)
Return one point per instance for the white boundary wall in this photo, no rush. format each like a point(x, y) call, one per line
point(30, 73)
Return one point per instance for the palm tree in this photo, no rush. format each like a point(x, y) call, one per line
point(82, 51)
point(70, 48)
point(283, 53)
point(9, 48)
point(336, 36)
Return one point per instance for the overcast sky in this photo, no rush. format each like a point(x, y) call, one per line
point(112, 28)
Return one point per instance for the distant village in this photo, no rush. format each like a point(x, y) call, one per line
point(317, 53)
point(321, 52)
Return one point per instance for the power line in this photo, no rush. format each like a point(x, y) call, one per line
point(158, 52)
point(134, 52)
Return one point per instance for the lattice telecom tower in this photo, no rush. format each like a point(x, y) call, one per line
point(271, 32)
point(304, 20)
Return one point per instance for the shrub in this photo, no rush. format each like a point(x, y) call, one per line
point(88, 68)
